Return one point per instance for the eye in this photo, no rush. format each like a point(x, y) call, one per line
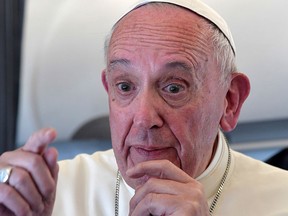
point(174, 88)
point(124, 87)
point(176, 92)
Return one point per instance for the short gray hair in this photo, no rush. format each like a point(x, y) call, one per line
point(222, 51)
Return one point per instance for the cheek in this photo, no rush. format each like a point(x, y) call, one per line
point(192, 132)
point(186, 125)
point(117, 124)
point(120, 124)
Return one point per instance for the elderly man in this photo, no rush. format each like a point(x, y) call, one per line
point(173, 86)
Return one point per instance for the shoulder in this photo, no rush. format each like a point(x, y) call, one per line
point(252, 167)
point(258, 178)
point(254, 188)
point(98, 164)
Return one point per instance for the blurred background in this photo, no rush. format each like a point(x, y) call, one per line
point(52, 58)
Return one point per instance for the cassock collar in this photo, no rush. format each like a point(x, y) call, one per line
point(212, 176)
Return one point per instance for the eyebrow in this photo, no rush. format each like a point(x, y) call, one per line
point(179, 65)
point(121, 62)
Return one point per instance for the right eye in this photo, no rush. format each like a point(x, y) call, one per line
point(124, 87)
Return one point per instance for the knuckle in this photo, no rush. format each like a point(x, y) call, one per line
point(200, 188)
point(49, 189)
point(198, 193)
point(36, 160)
point(21, 178)
point(149, 199)
point(196, 187)
point(150, 182)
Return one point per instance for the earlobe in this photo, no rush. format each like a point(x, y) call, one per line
point(104, 80)
point(236, 95)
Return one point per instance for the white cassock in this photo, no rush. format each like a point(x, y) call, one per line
point(87, 184)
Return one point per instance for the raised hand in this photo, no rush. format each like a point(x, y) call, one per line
point(31, 187)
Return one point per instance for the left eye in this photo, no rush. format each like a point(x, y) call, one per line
point(173, 88)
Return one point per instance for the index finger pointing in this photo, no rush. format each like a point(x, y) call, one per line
point(38, 142)
point(162, 169)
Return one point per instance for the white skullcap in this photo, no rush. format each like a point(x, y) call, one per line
point(199, 8)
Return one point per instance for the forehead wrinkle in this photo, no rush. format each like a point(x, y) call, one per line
point(188, 40)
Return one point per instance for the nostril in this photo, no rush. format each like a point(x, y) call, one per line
point(154, 127)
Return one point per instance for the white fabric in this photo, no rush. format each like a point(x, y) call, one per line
point(86, 186)
point(196, 6)
point(215, 160)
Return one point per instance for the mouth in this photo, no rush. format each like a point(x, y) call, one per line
point(150, 152)
point(140, 154)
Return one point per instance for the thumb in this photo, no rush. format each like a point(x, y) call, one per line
point(39, 141)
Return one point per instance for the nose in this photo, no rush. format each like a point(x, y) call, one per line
point(148, 111)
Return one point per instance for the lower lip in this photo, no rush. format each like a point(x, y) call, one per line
point(156, 154)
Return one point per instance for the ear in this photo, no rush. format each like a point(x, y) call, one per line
point(104, 80)
point(236, 95)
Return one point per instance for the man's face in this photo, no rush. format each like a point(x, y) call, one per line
point(164, 93)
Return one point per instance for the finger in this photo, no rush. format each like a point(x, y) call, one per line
point(36, 166)
point(157, 186)
point(51, 157)
point(38, 142)
point(11, 199)
point(41, 174)
point(166, 204)
point(22, 182)
point(155, 204)
point(185, 191)
point(162, 169)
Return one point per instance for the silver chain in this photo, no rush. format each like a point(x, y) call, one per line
point(117, 193)
point(214, 202)
point(222, 183)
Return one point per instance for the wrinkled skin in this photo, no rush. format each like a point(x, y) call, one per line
point(166, 107)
